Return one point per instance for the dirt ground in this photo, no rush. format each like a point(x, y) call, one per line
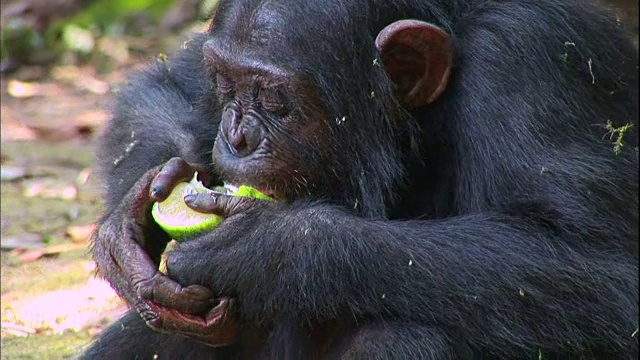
point(52, 305)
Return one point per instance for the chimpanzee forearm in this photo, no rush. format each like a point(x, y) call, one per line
point(157, 345)
point(497, 273)
point(135, 151)
point(146, 131)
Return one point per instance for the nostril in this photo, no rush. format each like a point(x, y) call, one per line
point(244, 140)
point(238, 141)
point(243, 134)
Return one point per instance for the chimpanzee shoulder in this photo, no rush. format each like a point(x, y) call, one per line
point(157, 113)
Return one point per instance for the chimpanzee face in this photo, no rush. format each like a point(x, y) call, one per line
point(265, 136)
point(298, 120)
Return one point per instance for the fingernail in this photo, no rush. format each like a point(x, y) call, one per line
point(190, 198)
point(156, 191)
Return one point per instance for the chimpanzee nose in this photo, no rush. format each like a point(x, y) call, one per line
point(244, 140)
point(244, 133)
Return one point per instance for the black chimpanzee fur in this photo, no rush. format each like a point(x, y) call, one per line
point(500, 221)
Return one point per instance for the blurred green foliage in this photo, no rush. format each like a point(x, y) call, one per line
point(109, 15)
point(77, 32)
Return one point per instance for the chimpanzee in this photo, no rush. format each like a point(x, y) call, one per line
point(450, 179)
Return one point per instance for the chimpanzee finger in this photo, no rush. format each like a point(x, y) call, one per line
point(219, 327)
point(219, 204)
point(175, 171)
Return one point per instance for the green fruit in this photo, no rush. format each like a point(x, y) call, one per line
point(181, 222)
point(248, 191)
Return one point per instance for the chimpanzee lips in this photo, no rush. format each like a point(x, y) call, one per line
point(266, 191)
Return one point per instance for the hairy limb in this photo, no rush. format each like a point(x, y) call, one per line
point(120, 250)
point(391, 340)
point(131, 338)
point(486, 275)
point(145, 132)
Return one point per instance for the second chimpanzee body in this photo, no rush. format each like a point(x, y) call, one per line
point(476, 206)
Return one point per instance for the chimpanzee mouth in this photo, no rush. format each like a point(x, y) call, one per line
point(232, 189)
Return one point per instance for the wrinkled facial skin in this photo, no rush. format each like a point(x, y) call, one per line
point(263, 130)
point(295, 122)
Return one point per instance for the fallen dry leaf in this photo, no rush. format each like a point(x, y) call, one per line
point(83, 176)
point(91, 118)
point(80, 233)
point(27, 256)
point(63, 248)
point(31, 256)
point(95, 86)
point(12, 127)
point(50, 190)
point(82, 77)
point(21, 90)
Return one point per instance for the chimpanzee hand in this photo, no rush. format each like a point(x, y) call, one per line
point(237, 256)
point(126, 248)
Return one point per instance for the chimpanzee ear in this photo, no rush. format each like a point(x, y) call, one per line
point(418, 57)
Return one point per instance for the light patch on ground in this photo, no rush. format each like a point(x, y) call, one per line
point(73, 309)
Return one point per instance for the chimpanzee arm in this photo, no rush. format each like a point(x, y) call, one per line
point(160, 114)
point(131, 338)
point(508, 283)
point(157, 115)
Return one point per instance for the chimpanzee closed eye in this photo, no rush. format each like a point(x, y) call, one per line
point(452, 180)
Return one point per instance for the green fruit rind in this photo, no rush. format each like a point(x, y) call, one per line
point(181, 228)
point(248, 191)
point(180, 222)
point(177, 219)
